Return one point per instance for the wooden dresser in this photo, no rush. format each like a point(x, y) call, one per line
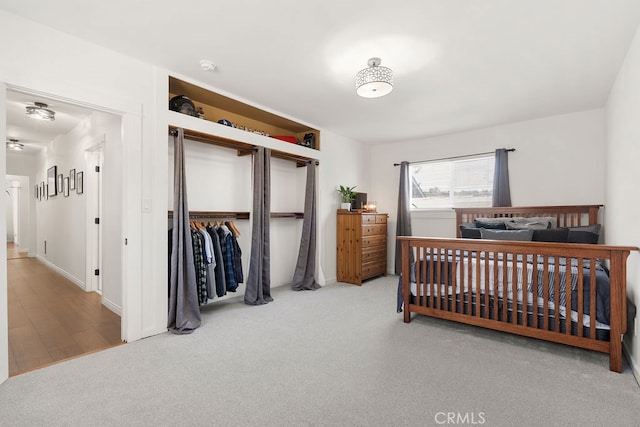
point(361, 246)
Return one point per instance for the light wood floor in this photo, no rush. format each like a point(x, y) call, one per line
point(51, 319)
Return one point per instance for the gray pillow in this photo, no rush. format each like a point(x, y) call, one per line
point(534, 223)
point(514, 235)
point(584, 234)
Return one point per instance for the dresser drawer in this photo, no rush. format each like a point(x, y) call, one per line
point(374, 240)
point(374, 253)
point(372, 230)
point(381, 219)
point(375, 268)
point(369, 219)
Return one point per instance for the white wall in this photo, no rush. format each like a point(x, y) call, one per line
point(61, 220)
point(10, 197)
point(4, 324)
point(26, 166)
point(623, 176)
point(559, 160)
point(343, 162)
point(18, 211)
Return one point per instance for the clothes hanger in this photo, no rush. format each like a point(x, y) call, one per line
point(233, 228)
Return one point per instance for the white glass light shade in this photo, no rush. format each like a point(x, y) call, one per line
point(40, 112)
point(14, 145)
point(374, 81)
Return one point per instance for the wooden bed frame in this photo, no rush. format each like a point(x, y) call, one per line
point(462, 302)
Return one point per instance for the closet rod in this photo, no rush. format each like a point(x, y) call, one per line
point(242, 147)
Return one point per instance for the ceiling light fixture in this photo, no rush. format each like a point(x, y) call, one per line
point(14, 145)
point(374, 81)
point(40, 111)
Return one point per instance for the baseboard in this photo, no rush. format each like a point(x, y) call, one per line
point(634, 366)
point(60, 271)
point(111, 306)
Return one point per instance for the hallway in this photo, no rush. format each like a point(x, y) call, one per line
point(50, 318)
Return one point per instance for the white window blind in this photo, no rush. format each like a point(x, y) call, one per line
point(453, 183)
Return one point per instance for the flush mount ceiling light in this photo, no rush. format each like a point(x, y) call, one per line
point(14, 145)
point(374, 81)
point(40, 111)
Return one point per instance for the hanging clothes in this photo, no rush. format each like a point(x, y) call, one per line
point(200, 266)
point(228, 257)
point(237, 253)
point(221, 283)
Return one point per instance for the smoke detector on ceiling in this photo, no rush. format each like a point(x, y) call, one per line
point(207, 65)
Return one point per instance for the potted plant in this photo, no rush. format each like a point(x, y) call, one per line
point(348, 196)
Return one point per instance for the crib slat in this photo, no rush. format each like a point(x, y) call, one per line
point(496, 307)
point(478, 292)
point(556, 294)
point(514, 289)
point(505, 288)
point(485, 271)
point(592, 299)
point(534, 291)
point(454, 278)
point(438, 267)
point(432, 276)
point(580, 295)
point(545, 294)
point(568, 292)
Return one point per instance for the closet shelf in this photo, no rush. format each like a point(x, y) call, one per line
point(236, 215)
point(242, 148)
point(296, 215)
point(215, 214)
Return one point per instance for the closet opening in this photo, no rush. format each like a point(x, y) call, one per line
point(219, 183)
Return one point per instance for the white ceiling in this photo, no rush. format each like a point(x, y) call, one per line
point(35, 134)
point(458, 64)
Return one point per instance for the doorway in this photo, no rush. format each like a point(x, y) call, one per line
point(56, 310)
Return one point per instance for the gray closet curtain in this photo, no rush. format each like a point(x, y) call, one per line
point(303, 277)
point(184, 310)
point(501, 191)
point(258, 289)
point(403, 226)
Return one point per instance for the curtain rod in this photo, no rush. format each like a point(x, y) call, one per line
point(455, 157)
point(241, 146)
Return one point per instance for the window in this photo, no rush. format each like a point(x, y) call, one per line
point(456, 183)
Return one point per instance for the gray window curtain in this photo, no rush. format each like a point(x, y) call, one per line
point(501, 191)
point(303, 277)
point(184, 310)
point(403, 226)
point(258, 289)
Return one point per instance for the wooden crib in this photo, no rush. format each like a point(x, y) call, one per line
point(569, 293)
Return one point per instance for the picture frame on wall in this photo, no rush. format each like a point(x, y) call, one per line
point(52, 175)
point(79, 182)
point(72, 179)
point(43, 195)
point(65, 186)
point(59, 183)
